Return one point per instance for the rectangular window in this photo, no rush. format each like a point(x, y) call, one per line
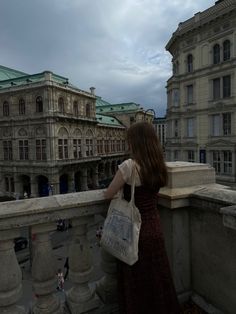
point(24, 150)
point(226, 86)
point(227, 157)
point(216, 88)
point(189, 94)
point(89, 147)
point(216, 125)
point(226, 123)
point(63, 148)
point(190, 127)
point(118, 145)
point(77, 152)
point(7, 150)
point(41, 153)
point(216, 161)
point(100, 146)
point(190, 155)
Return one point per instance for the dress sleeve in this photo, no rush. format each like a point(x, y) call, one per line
point(126, 167)
point(126, 171)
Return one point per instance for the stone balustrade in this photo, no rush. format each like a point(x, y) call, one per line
point(198, 219)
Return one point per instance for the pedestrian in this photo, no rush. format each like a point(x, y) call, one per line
point(60, 280)
point(147, 286)
point(66, 266)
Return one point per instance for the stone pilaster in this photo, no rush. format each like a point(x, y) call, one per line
point(81, 298)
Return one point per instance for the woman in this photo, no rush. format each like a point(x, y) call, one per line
point(146, 286)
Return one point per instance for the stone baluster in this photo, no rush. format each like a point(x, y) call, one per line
point(10, 275)
point(106, 287)
point(44, 272)
point(81, 298)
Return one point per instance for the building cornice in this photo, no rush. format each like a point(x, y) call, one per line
point(202, 18)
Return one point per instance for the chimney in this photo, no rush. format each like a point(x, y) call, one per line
point(92, 89)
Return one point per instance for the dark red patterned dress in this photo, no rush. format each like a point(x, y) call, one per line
point(147, 286)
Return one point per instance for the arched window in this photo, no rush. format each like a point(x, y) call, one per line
point(190, 63)
point(39, 104)
point(5, 109)
point(61, 107)
point(88, 110)
point(226, 50)
point(21, 106)
point(216, 54)
point(75, 109)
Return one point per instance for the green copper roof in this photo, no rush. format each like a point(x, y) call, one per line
point(101, 103)
point(105, 107)
point(108, 120)
point(7, 73)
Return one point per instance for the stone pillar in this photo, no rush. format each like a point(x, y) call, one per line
point(81, 298)
point(95, 177)
point(33, 186)
point(84, 179)
point(44, 272)
point(18, 188)
point(71, 182)
point(10, 275)
point(106, 287)
point(54, 182)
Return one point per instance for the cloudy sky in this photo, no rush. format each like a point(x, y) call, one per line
point(117, 46)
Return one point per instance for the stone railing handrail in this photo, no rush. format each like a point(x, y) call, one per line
point(28, 212)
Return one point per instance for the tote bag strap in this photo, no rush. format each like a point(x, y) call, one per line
point(133, 182)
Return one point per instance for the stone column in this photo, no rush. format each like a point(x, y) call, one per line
point(18, 188)
point(34, 186)
point(95, 177)
point(54, 182)
point(71, 182)
point(84, 179)
point(81, 298)
point(10, 275)
point(106, 287)
point(44, 272)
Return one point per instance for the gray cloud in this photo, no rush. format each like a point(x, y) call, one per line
point(116, 46)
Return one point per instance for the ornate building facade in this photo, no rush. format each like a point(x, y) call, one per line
point(52, 141)
point(201, 109)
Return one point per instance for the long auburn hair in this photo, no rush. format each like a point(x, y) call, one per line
point(146, 150)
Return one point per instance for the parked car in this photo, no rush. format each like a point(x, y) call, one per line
point(20, 243)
